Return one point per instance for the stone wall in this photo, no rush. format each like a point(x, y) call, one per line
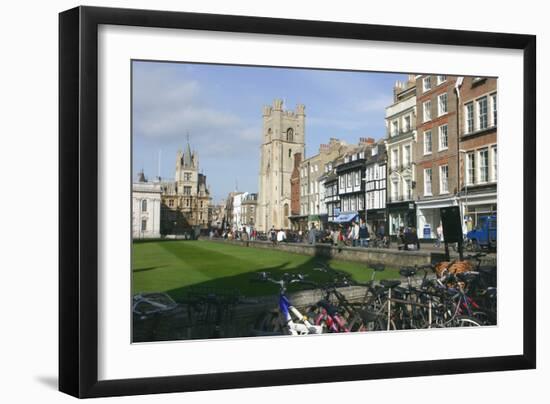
point(389, 257)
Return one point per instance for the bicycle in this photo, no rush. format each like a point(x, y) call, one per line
point(287, 320)
point(147, 304)
point(334, 311)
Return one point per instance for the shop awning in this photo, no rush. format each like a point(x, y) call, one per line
point(345, 217)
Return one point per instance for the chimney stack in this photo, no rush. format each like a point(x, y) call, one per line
point(366, 140)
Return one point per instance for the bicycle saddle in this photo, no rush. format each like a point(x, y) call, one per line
point(378, 267)
point(388, 284)
point(407, 271)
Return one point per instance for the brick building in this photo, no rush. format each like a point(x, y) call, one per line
point(435, 150)
point(478, 148)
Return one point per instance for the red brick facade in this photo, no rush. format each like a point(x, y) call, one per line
point(439, 154)
point(295, 186)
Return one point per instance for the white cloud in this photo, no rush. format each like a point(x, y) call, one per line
point(168, 104)
point(378, 103)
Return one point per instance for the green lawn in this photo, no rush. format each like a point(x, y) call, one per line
point(176, 266)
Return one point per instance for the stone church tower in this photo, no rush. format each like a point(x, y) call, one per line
point(283, 136)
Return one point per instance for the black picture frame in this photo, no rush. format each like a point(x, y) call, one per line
point(78, 200)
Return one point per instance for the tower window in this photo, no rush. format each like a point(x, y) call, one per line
point(290, 135)
point(289, 152)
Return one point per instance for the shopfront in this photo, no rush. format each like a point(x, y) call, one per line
point(376, 220)
point(478, 204)
point(401, 215)
point(428, 217)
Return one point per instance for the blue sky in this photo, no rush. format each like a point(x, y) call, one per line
point(220, 106)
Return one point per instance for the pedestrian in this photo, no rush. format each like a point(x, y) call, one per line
point(335, 233)
point(414, 238)
point(402, 244)
point(312, 235)
point(281, 236)
point(273, 235)
point(439, 234)
point(244, 237)
point(363, 234)
point(355, 236)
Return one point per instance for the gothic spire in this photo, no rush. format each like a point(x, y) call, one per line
point(187, 156)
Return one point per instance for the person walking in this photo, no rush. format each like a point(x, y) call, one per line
point(355, 236)
point(363, 234)
point(245, 237)
point(312, 235)
point(439, 234)
point(281, 236)
point(335, 233)
point(273, 236)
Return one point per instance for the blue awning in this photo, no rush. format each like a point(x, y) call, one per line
point(345, 217)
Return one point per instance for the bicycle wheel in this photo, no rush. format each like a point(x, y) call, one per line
point(270, 322)
point(464, 321)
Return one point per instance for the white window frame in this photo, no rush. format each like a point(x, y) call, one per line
point(426, 192)
point(494, 110)
point(480, 167)
point(469, 118)
point(394, 189)
point(427, 111)
point(441, 79)
point(479, 102)
point(440, 104)
point(406, 188)
point(407, 127)
point(440, 137)
point(444, 179)
point(426, 151)
point(395, 161)
point(426, 83)
point(394, 129)
point(470, 168)
point(494, 163)
point(357, 178)
point(406, 156)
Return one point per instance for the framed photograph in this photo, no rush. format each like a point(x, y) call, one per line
point(240, 196)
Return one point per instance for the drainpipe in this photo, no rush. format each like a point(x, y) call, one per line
point(458, 83)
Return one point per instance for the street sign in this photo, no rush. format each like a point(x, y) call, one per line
point(452, 229)
point(427, 231)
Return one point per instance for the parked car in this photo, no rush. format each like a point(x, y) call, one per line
point(484, 235)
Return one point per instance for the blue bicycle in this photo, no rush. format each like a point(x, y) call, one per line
point(287, 320)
